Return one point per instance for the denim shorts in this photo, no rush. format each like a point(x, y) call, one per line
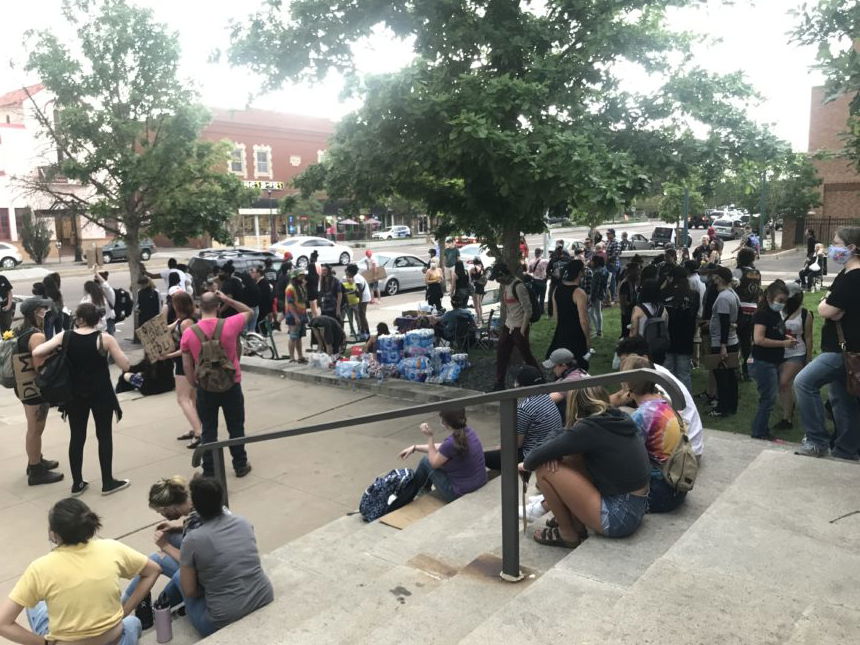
point(621, 515)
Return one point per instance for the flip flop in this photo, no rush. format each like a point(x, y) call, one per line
point(185, 437)
point(195, 441)
point(552, 537)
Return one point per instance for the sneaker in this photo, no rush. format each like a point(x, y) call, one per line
point(115, 486)
point(38, 474)
point(843, 457)
point(534, 511)
point(79, 487)
point(243, 470)
point(783, 425)
point(809, 449)
point(716, 414)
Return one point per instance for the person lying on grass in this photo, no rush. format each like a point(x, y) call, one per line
point(594, 475)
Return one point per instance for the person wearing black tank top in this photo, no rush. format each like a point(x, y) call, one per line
point(92, 392)
point(570, 310)
point(185, 394)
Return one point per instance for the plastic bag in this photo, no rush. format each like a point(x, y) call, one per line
point(352, 370)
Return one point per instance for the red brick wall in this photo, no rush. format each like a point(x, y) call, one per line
point(840, 188)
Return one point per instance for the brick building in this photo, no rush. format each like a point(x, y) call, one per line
point(840, 185)
point(269, 150)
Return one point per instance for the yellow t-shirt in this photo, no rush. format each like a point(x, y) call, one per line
point(80, 585)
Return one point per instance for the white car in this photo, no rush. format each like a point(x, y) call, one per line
point(392, 232)
point(469, 252)
point(10, 256)
point(301, 247)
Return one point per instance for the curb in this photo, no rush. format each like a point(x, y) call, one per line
point(391, 388)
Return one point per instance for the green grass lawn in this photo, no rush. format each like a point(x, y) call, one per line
point(481, 375)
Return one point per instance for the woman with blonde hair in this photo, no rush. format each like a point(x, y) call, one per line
point(170, 498)
point(186, 396)
point(594, 475)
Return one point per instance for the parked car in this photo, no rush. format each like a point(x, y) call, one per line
point(728, 229)
point(10, 256)
point(201, 265)
point(462, 240)
point(302, 246)
point(555, 221)
point(639, 242)
point(698, 221)
point(116, 250)
point(402, 271)
point(469, 252)
point(392, 232)
point(664, 235)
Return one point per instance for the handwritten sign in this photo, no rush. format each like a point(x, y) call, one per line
point(155, 337)
point(25, 376)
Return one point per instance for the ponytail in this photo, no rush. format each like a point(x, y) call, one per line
point(171, 491)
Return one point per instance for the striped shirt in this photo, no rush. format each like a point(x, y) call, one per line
point(538, 419)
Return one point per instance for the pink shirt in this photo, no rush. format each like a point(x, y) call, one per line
point(233, 326)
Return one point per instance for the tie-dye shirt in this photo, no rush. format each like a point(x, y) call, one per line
point(659, 427)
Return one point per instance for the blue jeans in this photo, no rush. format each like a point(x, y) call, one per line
point(828, 369)
point(169, 567)
point(681, 365)
point(662, 498)
point(252, 323)
point(766, 377)
point(233, 404)
point(38, 617)
point(197, 611)
point(595, 316)
point(425, 477)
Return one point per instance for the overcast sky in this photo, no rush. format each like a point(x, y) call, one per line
point(753, 36)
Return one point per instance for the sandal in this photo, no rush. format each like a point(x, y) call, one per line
point(552, 537)
point(552, 523)
point(302, 360)
point(185, 437)
point(195, 441)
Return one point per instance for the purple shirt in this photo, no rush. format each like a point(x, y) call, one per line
point(466, 472)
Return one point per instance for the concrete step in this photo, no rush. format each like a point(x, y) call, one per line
point(599, 572)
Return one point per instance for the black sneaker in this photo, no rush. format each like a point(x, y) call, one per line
point(79, 487)
point(115, 486)
point(50, 464)
point(241, 471)
point(783, 425)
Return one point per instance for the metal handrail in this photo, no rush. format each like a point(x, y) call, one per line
point(507, 400)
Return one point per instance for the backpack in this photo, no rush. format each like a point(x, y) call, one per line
point(381, 496)
point(214, 371)
point(537, 309)
point(55, 376)
point(656, 334)
point(749, 289)
point(559, 267)
point(123, 305)
point(681, 468)
point(8, 348)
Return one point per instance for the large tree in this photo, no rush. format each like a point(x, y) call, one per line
point(833, 26)
point(508, 109)
point(125, 128)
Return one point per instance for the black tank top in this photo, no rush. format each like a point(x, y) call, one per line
point(89, 366)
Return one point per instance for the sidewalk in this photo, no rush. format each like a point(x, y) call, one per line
point(297, 484)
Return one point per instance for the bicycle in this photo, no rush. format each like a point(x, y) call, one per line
point(254, 344)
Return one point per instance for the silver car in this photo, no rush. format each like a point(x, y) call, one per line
point(402, 271)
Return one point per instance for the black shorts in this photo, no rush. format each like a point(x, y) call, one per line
point(179, 368)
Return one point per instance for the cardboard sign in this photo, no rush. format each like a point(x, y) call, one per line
point(94, 256)
point(374, 275)
point(25, 376)
point(156, 338)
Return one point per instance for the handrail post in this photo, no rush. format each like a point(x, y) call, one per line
point(510, 488)
point(221, 472)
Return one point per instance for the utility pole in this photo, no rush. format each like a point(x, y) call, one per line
point(762, 206)
point(686, 214)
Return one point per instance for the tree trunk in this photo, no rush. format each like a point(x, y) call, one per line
point(135, 269)
point(511, 249)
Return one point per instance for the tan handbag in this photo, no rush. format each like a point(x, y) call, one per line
point(852, 363)
point(716, 361)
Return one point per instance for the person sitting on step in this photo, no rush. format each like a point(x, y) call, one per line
point(220, 574)
point(72, 593)
point(594, 475)
point(455, 466)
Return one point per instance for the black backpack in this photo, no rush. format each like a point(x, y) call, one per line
point(749, 289)
point(656, 333)
point(55, 376)
point(383, 495)
point(537, 310)
point(123, 305)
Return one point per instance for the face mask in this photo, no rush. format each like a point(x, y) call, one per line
point(777, 306)
point(839, 254)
